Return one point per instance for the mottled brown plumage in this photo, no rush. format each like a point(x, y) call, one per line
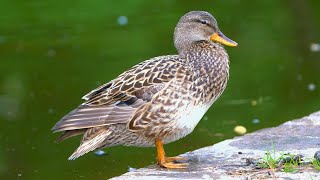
point(159, 100)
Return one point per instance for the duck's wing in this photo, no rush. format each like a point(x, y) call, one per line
point(116, 101)
point(157, 116)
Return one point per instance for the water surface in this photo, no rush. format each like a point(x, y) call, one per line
point(54, 52)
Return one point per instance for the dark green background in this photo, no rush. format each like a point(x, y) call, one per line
point(53, 52)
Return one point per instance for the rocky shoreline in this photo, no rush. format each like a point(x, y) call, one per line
point(287, 151)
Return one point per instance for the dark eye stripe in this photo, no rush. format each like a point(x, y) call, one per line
point(203, 22)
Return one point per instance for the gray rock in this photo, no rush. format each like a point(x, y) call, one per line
point(317, 155)
point(223, 161)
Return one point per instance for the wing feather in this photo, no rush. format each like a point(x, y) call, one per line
point(91, 116)
point(116, 101)
point(92, 139)
point(159, 111)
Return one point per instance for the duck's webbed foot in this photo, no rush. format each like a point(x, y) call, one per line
point(168, 162)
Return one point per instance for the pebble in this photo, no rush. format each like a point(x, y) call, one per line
point(295, 158)
point(315, 47)
point(254, 103)
point(311, 87)
point(250, 161)
point(298, 158)
point(255, 121)
point(240, 130)
point(122, 20)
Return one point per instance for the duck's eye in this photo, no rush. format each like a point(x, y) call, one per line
point(203, 22)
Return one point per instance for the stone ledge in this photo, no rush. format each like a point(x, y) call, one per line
point(231, 159)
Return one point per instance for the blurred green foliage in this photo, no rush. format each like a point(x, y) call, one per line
point(53, 52)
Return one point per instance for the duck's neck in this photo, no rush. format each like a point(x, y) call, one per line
point(207, 59)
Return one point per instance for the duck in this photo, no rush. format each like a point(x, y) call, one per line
point(159, 100)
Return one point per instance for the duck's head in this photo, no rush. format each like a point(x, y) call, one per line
point(198, 26)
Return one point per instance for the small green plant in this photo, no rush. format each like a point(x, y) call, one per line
point(290, 168)
point(286, 162)
point(316, 164)
point(291, 163)
point(268, 161)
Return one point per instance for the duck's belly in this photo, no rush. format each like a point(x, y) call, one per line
point(179, 128)
point(186, 123)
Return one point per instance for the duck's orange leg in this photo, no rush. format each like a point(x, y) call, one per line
point(167, 162)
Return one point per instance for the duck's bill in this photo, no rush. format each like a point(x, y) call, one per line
point(221, 38)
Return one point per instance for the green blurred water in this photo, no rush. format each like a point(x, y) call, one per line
point(53, 52)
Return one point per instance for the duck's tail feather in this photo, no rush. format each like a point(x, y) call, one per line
point(90, 143)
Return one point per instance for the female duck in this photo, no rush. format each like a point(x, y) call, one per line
point(159, 100)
